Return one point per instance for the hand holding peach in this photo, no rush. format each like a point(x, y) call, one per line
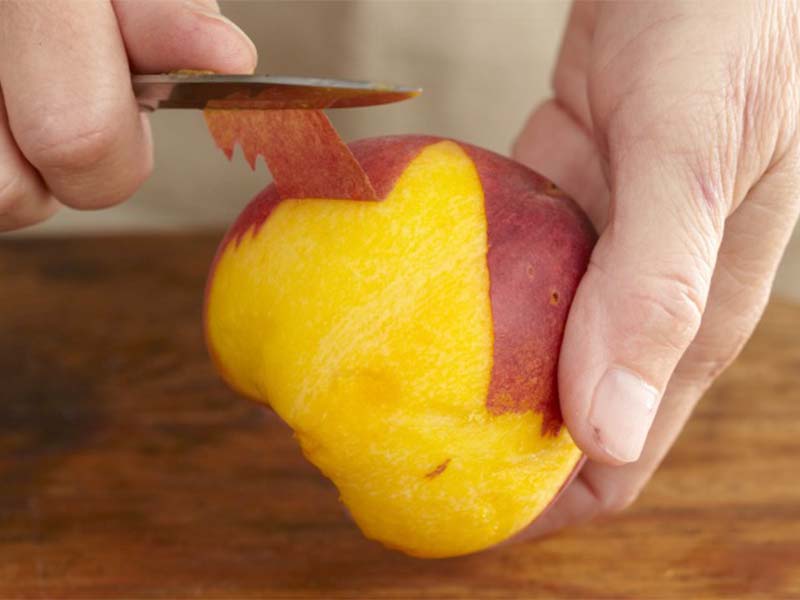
point(674, 125)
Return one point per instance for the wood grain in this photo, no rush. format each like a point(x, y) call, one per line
point(127, 469)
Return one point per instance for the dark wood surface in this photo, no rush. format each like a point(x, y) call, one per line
point(127, 469)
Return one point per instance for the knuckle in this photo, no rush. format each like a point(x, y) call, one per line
point(670, 308)
point(672, 319)
point(88, 155)
point(683, 298)
point(74, 140)
point(75, 148)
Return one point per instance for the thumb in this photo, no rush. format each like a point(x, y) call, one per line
point(641, 301)
point(162, 36)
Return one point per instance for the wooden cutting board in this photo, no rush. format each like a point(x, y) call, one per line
point(127, 469)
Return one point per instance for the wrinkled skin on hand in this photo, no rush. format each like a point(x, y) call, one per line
point(674, 125)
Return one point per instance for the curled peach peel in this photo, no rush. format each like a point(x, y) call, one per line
point(411, 341)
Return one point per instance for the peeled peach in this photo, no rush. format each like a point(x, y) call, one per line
point(411, 339)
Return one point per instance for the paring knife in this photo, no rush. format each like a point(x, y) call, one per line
point(179, 90)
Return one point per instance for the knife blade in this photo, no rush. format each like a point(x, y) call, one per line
point(178, 90)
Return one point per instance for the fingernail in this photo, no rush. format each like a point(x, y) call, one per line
point(208, 9)
point(622, 412)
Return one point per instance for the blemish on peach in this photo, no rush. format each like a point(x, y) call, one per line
point(438, 470)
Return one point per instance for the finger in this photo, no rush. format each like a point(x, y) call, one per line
point(756, 235)
point(554, 144)
point(578, 504)
point(70, 107)
point(24, 200)
point(642, 298)
point(162, 36)
point(557, 140)
point(572, 66)
point(602, 490)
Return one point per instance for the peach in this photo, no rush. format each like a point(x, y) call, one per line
point(401, 305)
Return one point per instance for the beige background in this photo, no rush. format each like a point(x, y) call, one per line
point(484, 65)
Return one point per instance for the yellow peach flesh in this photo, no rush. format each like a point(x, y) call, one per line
point(367, 327)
